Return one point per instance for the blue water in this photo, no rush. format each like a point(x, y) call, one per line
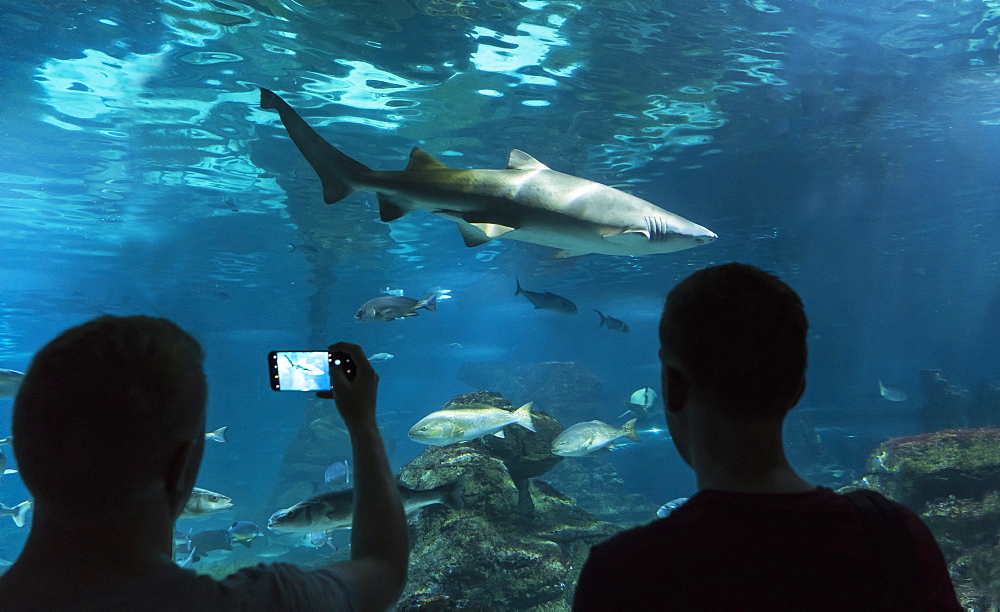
point(850, 147)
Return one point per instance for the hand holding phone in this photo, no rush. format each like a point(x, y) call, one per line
point(343, 361)
point(299, 370)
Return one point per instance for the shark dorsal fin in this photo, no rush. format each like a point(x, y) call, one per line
point(519, 160)
point(421, 160)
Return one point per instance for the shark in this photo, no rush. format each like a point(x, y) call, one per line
point(526, 201)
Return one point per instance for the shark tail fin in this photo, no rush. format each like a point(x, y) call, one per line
point(21, 511)
point(629, 430)
point(523, 416)
point(337, 171)
point(519, 290)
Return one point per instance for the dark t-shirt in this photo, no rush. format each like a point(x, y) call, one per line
point(750, 551)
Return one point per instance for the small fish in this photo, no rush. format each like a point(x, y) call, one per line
point(204, 502)
point(10, 382)
point(3, 465)
point(468, 423)
point(612, 323)
point(219, 435)
point(547, 300)
point(639, 403)
point(243, 532)
point(202, 543)
point(337, 473)
point(336, 510)
point(665, 510)
point(391, 307)
point(391, 291)
point(584, 438)
point(893, 394)
point(17, 513)
point(380, 357)
point(319, 539)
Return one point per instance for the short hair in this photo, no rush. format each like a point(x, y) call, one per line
point(101, 406)
point(740, 335)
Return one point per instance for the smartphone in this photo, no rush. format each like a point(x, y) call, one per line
point(299, 370)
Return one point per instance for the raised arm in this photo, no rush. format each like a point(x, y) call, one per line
point(379, 547)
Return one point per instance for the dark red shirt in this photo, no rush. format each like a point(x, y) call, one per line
point(752, 551)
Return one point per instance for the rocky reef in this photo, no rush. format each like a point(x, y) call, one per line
point(566, 390)
point(952, 479)
point(947, 404)
point(517, 544)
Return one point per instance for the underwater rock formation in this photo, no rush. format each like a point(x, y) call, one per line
point(596, 486)
point(916, 470)
point(944, 404)
point(321, 439)
point(565, 390)
point(492, 554)
point(952, 479)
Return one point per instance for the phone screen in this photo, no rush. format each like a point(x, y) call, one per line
point(299, 370)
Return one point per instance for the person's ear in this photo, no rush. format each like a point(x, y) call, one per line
point(678, 389)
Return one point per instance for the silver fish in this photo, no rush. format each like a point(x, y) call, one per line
point(893, 394)
point(468, 423)
point(665, 510)
point(10, 382)
point(204, 502)
point(391, 307)
point(640, 403)
point(546, 300)
point(527, 201)
point(380, 357)
point(584, 438)
point(336, 510)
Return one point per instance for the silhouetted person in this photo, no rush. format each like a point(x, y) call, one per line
point(755, 536)
point(109, 428)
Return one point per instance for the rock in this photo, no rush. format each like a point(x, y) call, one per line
point(565, 390)
point(944, 404)
point(984, 405)
point(916, 470)
point(951, 478)
point(594, 484)
point(487, 556)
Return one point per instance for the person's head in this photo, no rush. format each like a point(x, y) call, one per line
point(106, 410)
point(738, 336)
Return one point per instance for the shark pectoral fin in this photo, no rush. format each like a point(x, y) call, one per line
point(628, 237)
point(519, 160)
point(421, 160)
point(389, 210)
point(566, 254)
point(472, 236)
point(493, 230)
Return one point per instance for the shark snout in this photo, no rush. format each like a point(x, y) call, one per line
point(707, 237)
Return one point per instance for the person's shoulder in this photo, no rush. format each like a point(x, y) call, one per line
point(293, 586)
